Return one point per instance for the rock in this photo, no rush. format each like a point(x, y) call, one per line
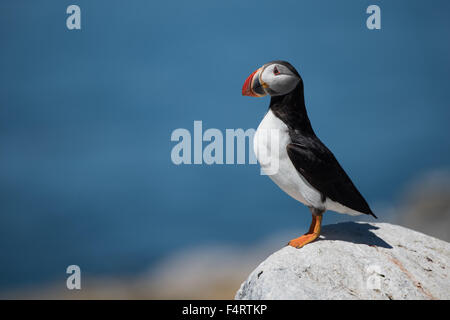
point(355, 260)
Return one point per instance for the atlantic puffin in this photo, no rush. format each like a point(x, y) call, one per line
point(307, 170)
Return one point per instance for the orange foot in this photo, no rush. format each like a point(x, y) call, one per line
point(311, 235)
point(303, 240)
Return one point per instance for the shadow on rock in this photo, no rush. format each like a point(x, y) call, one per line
point(354, 232)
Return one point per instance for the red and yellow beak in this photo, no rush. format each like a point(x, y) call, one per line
point(254, 86)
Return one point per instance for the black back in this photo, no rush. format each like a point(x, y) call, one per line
point(310, 156)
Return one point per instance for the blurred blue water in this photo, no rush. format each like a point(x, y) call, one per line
point(86, 117)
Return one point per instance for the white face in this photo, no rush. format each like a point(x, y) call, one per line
point(279, 79)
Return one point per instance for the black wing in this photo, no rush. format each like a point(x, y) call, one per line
point(321, 169)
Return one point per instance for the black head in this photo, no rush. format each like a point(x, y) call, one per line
point(275, 78)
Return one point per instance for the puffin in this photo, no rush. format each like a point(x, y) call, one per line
point(305, 168)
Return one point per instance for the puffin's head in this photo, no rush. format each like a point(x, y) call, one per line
point(275, 78)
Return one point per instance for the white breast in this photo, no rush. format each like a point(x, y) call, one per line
point(270, 141)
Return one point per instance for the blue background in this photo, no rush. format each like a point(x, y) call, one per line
point(86, 117)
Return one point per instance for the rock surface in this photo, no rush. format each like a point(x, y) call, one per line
point(355, 260)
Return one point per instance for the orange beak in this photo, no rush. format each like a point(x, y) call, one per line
point(252, 86)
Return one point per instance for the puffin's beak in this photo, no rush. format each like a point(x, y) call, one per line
point(252, 86)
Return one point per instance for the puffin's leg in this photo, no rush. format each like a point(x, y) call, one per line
point(312, 234)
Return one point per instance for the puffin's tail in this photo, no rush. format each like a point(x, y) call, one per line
point(372, 214)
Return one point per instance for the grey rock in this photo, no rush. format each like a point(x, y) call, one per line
point(355, 260)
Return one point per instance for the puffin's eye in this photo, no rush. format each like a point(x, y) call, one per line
point(275, 71)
